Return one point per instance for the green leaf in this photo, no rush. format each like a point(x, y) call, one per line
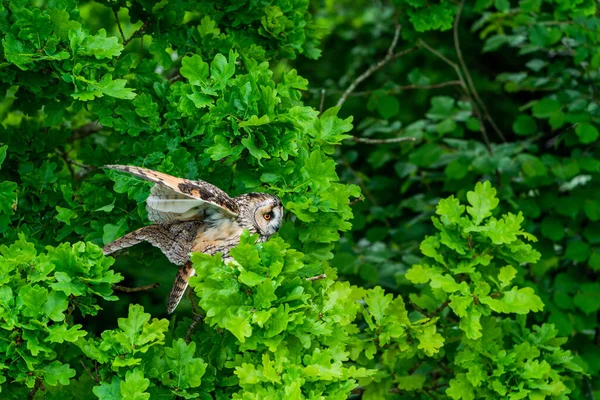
point(460, 388)
point(101, 46)
point(378, 302)
point(221, 69)
point(552, 228)
point(587, 299)
point(109, 391)
point(114, 88)
point(3, 154)
point(186, 370)
point(8, 197)
point(506, 275)
point(519, 301)
point(194, 69)
point(450, 210)
point(587, 133)
point(134, 386)
point(546, 108)
point(429, 340)
point(56, 372)
point(578, 250)
point(65, 215)
point(16, 53)
point(388, 107)
point(62, 333)
point(524, 125)
point(483, 200)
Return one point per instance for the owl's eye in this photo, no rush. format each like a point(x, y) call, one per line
point(268, 215)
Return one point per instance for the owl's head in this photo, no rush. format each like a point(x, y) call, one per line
point(260, 212)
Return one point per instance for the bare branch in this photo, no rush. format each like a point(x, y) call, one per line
point(188, 334)
point(70, 161)
point(39, 384)
point(135, 289)
point(389, 56)
point(139, 32)
point(116, 13)
point(316, 278)
point(322, 101)
point(85, 131)
point(197, 317)
point(95, 378)
point(400, 89)
point(468, 75)
point(380, 141)
point(463, 84)
point(395, 90)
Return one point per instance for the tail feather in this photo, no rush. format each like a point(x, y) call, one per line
point(179, 286)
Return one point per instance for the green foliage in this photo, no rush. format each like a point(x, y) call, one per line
point(38, 294)
point(213, 91)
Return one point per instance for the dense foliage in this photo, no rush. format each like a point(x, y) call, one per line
point(444, 291)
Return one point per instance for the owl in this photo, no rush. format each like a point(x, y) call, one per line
point(195, 216)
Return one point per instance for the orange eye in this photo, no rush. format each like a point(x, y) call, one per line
point(267, 216)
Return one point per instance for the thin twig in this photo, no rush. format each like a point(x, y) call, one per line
point(135, 289)
point(372, 68)
point(440, 308)
point(70, 161)
point(379, 141)
point(420, 310)
point(95, 378)
point(188, 334)
point(316, 278)
point(322, 101)
point(193, 302)
point(85, 131)
point(116, 13)
point(197, 317)
point(399, 89)
point(137, 33)
point(468, 75)
point(463, 84)
point(39, 384)
point(395, 90)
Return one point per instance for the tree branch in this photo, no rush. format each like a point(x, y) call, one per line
point(380, 141)
point(137, 33)
point(197, 318)
point(463, 84)
point(316, 278)
point(468, 75)
point(395, 90)
point(85, 131)
point(389, 56)
point(322, 101)
point(116, 13)
point(135, 289)
point(95, 378)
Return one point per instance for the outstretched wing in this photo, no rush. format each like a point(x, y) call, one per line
point(175, 240)
point(174, 198)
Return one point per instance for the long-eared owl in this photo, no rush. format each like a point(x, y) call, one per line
point(195, 216)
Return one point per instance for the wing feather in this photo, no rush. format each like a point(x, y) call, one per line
point(174, 198)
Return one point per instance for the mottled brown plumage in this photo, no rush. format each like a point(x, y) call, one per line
point(195, 216)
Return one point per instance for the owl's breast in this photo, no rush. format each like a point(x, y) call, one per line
point(219, 236)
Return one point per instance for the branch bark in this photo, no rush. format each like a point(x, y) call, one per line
point(388, 57)
point(381, 141)
point(468, 74)
point(135, 289)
